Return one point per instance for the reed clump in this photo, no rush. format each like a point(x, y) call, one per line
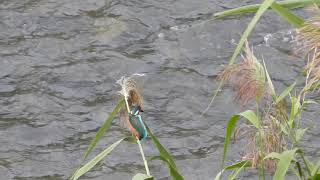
point(274, 131)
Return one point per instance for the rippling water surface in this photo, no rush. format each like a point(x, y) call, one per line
point(60, 59)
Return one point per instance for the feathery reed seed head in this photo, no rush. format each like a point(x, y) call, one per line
point(248, 78)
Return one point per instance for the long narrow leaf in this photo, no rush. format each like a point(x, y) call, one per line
point(249, 116)
point(218, 176)
point(104, 128)
point(285, 93)
point(236, 173)
point(252, 117)
point(262, 9)
point(95, 160)
point(285, 159)
point(289, 4)
point(270, 84)
point(230, 127)
point(295, 109)
point(315, 169)
point(237, 165)
point(165, 156)
point(163, 152)
point(287, 15)
point(173, 171)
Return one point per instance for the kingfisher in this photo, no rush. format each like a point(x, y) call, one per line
point(137, 126)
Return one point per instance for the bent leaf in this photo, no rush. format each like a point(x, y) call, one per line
point(232, 167)
point(163, 152)
point(173, 171)
point(230, 127)
point(285, 159)
point(295, 109)
point(165, 156)
point(287, 15)
point(289, 4)
point(104, 128)
point(248, 115)
point(95, 160)
point(262, 9)
point(236, 173)
point(270, 84)
point(315, 169)
point(252, 117)
point(285, 93)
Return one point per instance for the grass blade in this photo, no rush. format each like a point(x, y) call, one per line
point(230, 127)
point(262, 9)
point(165, 156)
point(238, 165)
point(285, 93)
point(218, 176)
point(104, 128)
point(140, 176)
point(235, 175)
point(95, 160)
point(248, 115)
point(289, 4)
point(232, 167)
point(173, 171)
point(270, 84)
point(163, 152)
point(285, 159)
point(287, 15)
point(295, 109)
point(252, 117)
point(315, 169)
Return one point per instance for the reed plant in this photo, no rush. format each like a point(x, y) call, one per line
point(130, 97)
point(274, 130)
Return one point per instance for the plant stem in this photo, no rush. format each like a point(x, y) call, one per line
point(300, 170)
point(143, 157)
point(127, 104)
point(305, 162)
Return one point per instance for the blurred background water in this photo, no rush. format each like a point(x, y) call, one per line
point(60, 59)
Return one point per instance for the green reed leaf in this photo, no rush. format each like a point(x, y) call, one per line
point(173, 171)
point(285, 159)
point(285, 93)
point(104, 128)
point(252, 118)
point(295, 110)
point(289, 4)
point(287, 15)
point(88, 166)
point(236, 173)
point(248, 115)
point(165, 156)
point(163, 152)
point(232, 167)
point(230, 127)
point(262, 9)
point(315, 169)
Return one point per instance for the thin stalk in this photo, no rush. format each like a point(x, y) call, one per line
point(261, 143)
point(300, 170)
point(305, 162)
point(127, 104)
point(262, 172)
point(138, 141)
point(143, 157)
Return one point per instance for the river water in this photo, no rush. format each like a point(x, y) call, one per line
point(60, 59)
